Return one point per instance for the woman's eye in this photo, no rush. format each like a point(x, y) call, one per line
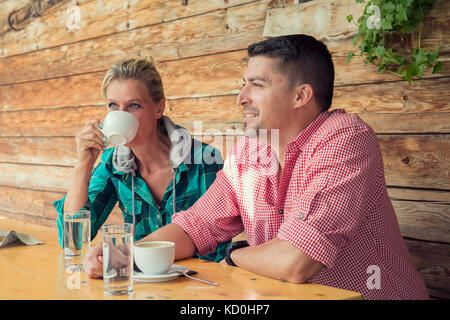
point(134, 106)
point(112, 105)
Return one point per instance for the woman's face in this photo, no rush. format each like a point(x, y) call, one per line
point(131, 95)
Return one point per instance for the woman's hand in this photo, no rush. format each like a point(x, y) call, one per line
point(89, 143)
point(93, 262)
point(117, 258)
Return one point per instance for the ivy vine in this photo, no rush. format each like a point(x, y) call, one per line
point(384, 17)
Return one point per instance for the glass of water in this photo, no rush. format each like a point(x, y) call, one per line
point(76, 238)
point(117, 258)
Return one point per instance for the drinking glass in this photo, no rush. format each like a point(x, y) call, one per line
point(76, 238)
point(117, 258)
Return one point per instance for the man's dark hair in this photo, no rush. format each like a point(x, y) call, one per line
point(302, 59)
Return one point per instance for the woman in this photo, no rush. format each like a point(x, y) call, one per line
point(144, 172)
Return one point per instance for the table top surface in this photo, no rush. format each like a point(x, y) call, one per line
point(37, 272)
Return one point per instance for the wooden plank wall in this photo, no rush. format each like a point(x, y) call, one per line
point(50, 84)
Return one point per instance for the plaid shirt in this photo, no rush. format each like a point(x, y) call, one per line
point(107, 186)
point(331, 203)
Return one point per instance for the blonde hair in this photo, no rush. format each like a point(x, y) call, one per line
point(140, 69)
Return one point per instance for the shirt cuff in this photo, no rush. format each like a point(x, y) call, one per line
point(310, 241)
point(202, 239)
point(59, 206)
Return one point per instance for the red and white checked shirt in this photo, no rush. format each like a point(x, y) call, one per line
point(331, 203)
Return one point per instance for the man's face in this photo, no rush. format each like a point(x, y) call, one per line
point(265, 96)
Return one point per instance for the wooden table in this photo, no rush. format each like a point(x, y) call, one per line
point(37, 272)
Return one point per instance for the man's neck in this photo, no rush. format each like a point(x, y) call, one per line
point(290, 132)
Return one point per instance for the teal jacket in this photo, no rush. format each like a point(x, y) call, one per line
point(109, 186)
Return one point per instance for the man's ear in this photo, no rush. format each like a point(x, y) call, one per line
point(160, 106)
point(305, 94)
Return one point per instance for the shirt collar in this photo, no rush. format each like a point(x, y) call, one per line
point(299, 142)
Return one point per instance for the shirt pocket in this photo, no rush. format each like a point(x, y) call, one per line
point(126, 205)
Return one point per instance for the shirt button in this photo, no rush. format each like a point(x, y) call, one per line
point(280, 211)
point(301, 216)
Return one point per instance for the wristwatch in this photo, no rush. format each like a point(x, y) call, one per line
point(233, 246)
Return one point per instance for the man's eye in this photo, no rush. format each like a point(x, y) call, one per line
point(112, 105)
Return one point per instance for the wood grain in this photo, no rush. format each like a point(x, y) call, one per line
point(415, 111)
point(326, 20)
point(37, 272)
point(46, 151)
point(50, 85)
point(419, 161)
point(405, 123)
point(418, 194)
point(424, 220)
point(410, 161)
point(322, 19)
point(48, 123)
point(37, 206)
point(228, 30)
point(97, 20)
point(80, 90)
point(211, 77)
point(431, 260)
point(191, 78)
point(29, 202)
point(35, 177)
point(431, 95)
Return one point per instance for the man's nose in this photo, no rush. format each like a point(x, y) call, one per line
point(242, 97)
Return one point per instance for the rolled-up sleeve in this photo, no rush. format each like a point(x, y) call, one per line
point(101, 200)
point(214, 218)
point(326, 215)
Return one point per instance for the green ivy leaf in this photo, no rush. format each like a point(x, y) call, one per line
point(386, 22)
point(379, 51)
point(389, 6)
point(350, 55)
point(401, 13)
point(396, 16)
point(438, 67)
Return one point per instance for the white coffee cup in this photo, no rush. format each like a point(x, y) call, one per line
point(120, 127)
point(154, 257)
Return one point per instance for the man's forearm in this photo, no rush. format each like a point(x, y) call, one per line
point(277, 259)
point(184, 247)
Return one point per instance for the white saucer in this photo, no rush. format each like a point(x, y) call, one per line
point(170, 275)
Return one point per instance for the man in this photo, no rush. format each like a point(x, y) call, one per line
point(321, 214)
